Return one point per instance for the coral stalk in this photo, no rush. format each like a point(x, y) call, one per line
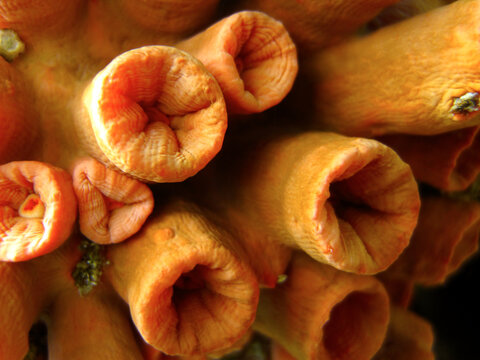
point(21, 302)
point(331, 196)
point(403, 10)
point(323, 313)
point(112, 206)
point(439, 245)
point(400, 289)
point(252, 57)
point(353, 98)
point(17, 128)
point(409, 337)
point(154, 113)
point(94, 326)
point(454, 163)
point(316, 24)
point(189, 294)
point(267, 256)
point(31, 226)
point(171, 16)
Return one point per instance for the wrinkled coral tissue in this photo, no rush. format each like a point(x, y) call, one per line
point(134, 225)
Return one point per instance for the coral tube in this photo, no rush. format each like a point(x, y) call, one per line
point(452, 166)
point(331, 196)
point(154, 113)
point(17, 128)
point(353, 97)
point(316, 24)
point(409, 337)
point(112, 206)
point(446, 235)
point(273, 262)
point(188, 292)
point(20, 304)
point(37, 209)
point(34, 17)
point(400, 289)
point(95, 326)
point(252, 57)
point(324, 313)
point(170, 16)
point(403, 10)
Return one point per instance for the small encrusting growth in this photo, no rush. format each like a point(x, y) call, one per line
point(89, 269)
point(10, 44)
point(465, 104)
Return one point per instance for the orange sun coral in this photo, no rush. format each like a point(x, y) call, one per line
point(100, 100)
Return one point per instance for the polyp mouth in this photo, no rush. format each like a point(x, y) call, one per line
point(189, 283)
point(358, 196)
point(207, 311)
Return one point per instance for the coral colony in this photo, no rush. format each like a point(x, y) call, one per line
point(233, 179)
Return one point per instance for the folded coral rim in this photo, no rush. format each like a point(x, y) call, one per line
point(112, 206)
point(25, 237)
point(252, 57)
point(187, 291)
point(156, 113)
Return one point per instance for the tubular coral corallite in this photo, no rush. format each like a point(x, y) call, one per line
point(96, 103)
point(103, 102)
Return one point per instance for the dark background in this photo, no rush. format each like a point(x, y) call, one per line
point(454, 311)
